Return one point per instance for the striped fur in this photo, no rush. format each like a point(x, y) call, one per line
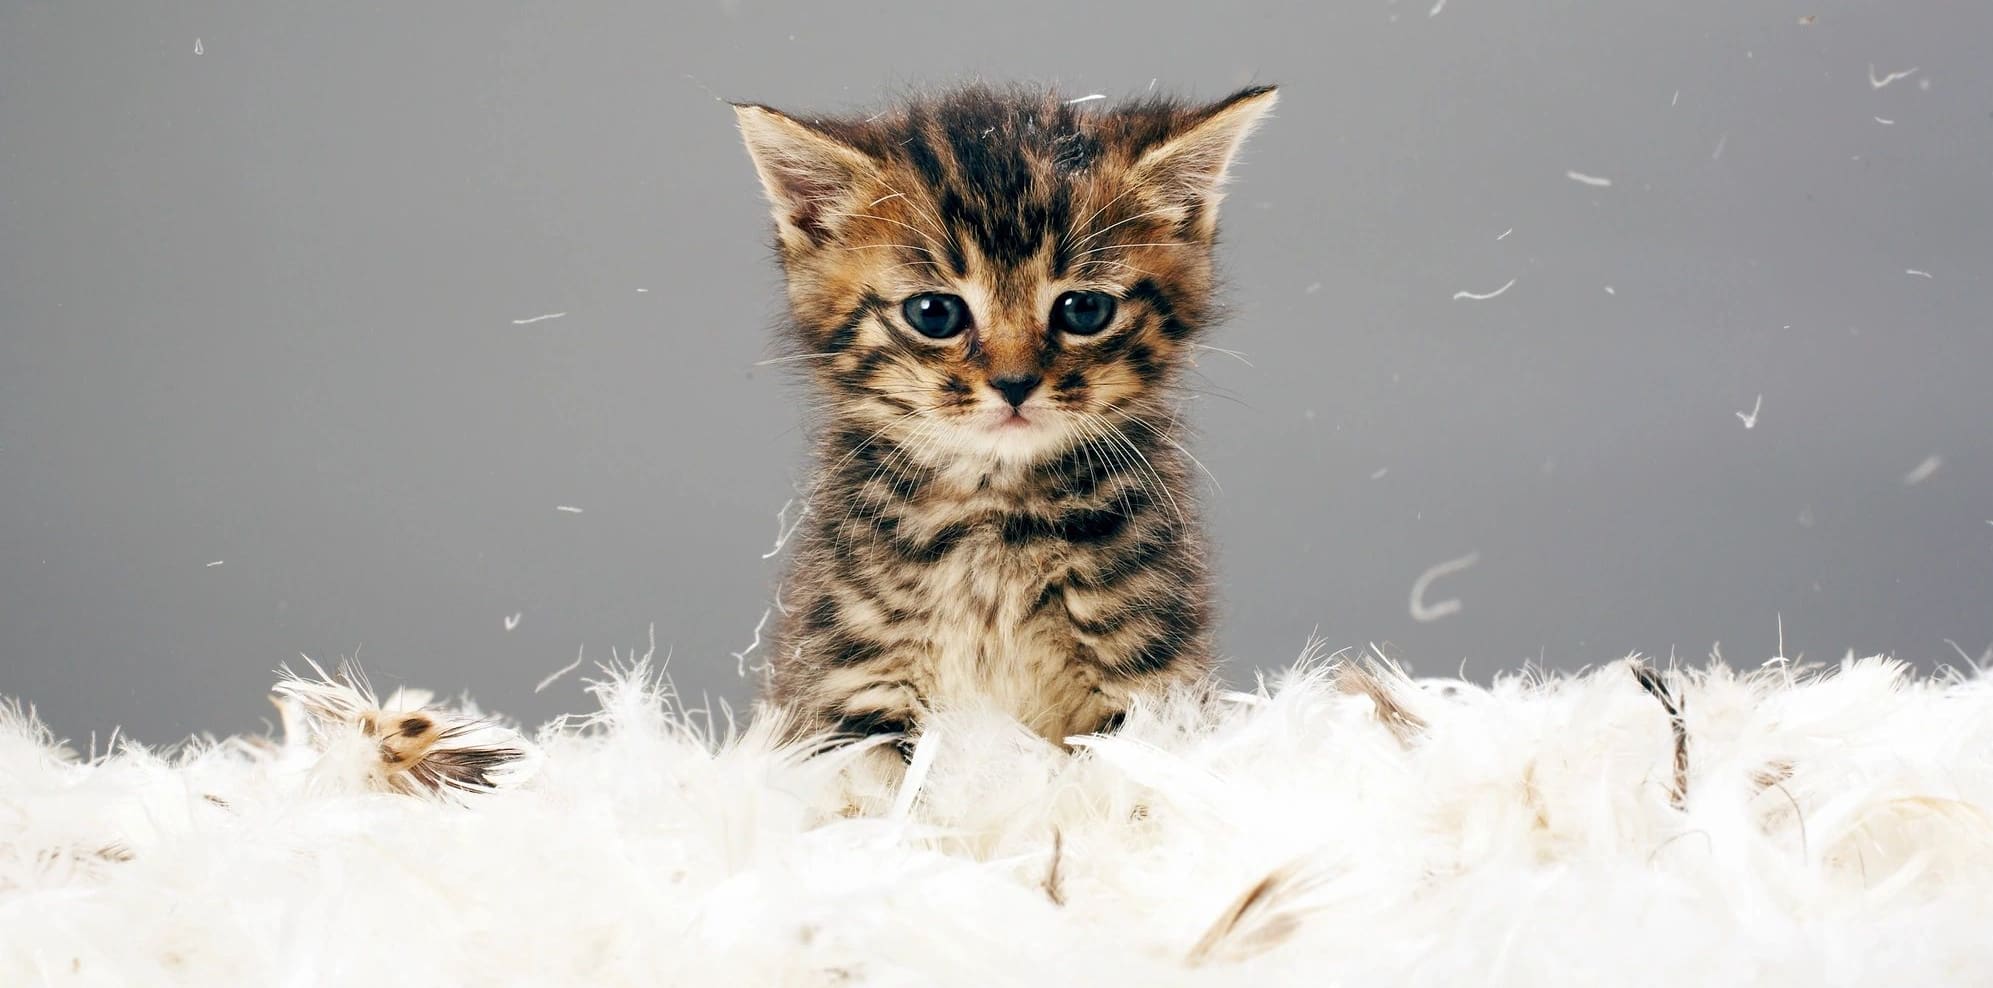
point(1046, 559)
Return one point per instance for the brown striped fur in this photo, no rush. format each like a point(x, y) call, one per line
point(1045, 559)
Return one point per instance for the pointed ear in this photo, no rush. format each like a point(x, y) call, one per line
point(1188, 168)
point(809, 176)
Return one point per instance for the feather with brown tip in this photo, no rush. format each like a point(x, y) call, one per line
point(419, 749)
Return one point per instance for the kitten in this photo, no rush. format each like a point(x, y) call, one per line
point(994, 293)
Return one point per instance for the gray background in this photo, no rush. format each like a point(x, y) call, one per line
point(257, 305)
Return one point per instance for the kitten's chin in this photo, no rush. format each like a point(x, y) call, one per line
point(1012, 438)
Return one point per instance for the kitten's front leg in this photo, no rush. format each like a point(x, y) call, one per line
point(1111, 722)
point(1087, 706)
point(870, 710)
point(856, 727)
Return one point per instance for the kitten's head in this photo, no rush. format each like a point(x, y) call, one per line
point(995, 276)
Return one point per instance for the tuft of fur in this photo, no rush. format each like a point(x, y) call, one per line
point(1836, 828)
point(962, 545)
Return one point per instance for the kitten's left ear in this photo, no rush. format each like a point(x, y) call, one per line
point(809, 175)
point(1188, 168)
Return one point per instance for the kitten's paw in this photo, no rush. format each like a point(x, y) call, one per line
point(854, 727)
point(1111, 723)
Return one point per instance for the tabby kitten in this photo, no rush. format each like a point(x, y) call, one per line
point(994, 294)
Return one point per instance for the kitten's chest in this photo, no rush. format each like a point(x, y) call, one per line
point(989, 637)
point(987, 588)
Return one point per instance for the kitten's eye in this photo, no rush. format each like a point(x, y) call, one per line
point(1082, 313)
point(936, 316)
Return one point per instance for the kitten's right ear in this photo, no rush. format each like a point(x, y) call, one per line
point(810, 177)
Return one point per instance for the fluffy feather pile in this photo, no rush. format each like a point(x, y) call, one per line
point(1342, 825)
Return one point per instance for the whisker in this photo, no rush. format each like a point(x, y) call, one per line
point(1165, 437)
point(1089, 262)
point(1214, 391)
point(1093, 428)
point(1083, 224)
point(940, 229)
point(855, 450)
point(1153, 212)
point(888, 219)
point(930, 262)
point(795, 356)
point(877, 246)
point(1121, 375)
point(1131, 453)
point(1234, 354)
point(886, 462)
point(1162, 486)
point(1097, 250)
point(1121, 493)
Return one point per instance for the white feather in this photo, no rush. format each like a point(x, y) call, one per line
point(1835, 829)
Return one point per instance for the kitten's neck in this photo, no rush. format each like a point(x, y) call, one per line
point(1143, 460)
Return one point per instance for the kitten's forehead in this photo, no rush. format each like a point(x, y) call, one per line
point(1007, 173)
point(1012, 137)
point(1011, 171)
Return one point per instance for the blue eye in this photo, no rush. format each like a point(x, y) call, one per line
point(936, 316)
point(1082, 313)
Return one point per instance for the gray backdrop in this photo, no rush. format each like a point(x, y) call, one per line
point(263, 388)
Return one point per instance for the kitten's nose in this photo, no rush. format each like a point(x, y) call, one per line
point(1015, 389)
